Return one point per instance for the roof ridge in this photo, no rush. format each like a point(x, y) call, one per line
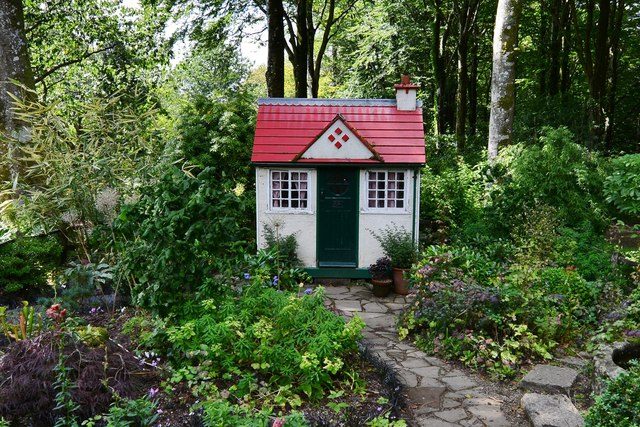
point(371, 102)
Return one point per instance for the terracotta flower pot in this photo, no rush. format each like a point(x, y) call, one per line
point(400, 282)
point(381, 287)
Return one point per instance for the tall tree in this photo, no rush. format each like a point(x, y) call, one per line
point(503, 77)
point(15, 66)
point(298, 46)
point(275, 49)
point(467, 13)
point(596, 61)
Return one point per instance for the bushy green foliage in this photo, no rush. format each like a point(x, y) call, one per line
point(175, 233)
point(224, 414)
point(450, 199)
point(397, 244)
point(622, 186)
point(555, 172)
point(285, 247)
point(495, 315)
point(290, 344)
point(619, 405)
point(127, 413)
point(25, 263)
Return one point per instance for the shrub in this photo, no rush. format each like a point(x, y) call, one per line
point(289, 344)
point(397, 243)
point(458, 318)
point(25, 263)
point(622, 186)
point(284, 247)
point(222, 414)
point(555, 172)
point(450, 199)
point(619, 404)
point(176, 233)
point(60, 362)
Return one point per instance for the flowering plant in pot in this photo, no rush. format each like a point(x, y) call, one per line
point(397, 244)
point(381, 277)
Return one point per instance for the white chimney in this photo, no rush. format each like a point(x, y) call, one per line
point(406, 94)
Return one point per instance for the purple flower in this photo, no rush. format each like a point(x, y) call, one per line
point(153, 392)
point(308, 291)
point(379, 408)
point(247, 276)
point(275, 280)
point(614, 316)
point(633, 333)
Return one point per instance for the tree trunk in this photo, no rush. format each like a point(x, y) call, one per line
point(14, 65)
point(555, 47)
point(505, 40)
point(438, 70)
point(615, 59)
point(275, 49)
point(473, 86)
point(300, 51)
point(543, 48)
point(461, 93)
point(565, 83)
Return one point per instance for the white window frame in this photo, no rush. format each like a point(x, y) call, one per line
point(310, 193)
point(364, 190)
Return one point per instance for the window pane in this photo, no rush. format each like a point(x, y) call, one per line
point(285, 203)
point(391, 185)
point(285, 194)
point(285, 175)
point(294, 194)
point(275, 175)
point(303, 185)
point(372, 175)
point(400, 204)
point(372, 203)
point(401, 185)
point(372, 194)
point(303, 195)
point(381, 185)
point(294, 204)
point(381, 203)
point(276, 185)
point(400, 194)
point(400, 176)
point(303, 203)
point(391, 194)
point(303, 176)
point(294, 175)
point(381, 176)
point(285, 185)
point(392, 203)
point(372, 185)
point(392, 176)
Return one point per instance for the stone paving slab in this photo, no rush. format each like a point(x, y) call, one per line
point(438, 394)
point(551, 410)
point(550, 379)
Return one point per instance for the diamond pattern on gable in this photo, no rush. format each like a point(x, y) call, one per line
point(338, 140)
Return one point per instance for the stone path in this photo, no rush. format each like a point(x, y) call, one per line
point(439, 395)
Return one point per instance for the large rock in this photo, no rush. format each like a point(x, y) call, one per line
point(551, 410)
point(551, 379)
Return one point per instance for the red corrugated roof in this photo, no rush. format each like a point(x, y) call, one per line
point(286, 126)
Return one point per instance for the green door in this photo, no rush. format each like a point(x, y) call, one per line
point(337, 217)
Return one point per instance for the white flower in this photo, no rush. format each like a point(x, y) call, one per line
point(70, 217)
point(107, 202)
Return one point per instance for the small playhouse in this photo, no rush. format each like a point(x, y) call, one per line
point(334, 171)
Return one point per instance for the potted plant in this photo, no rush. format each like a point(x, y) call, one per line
point(381, 277)
point(397, 244)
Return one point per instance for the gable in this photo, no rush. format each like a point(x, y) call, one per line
point(339, 140)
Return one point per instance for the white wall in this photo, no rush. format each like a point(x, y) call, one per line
point(302, 224)
point(370, 220)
